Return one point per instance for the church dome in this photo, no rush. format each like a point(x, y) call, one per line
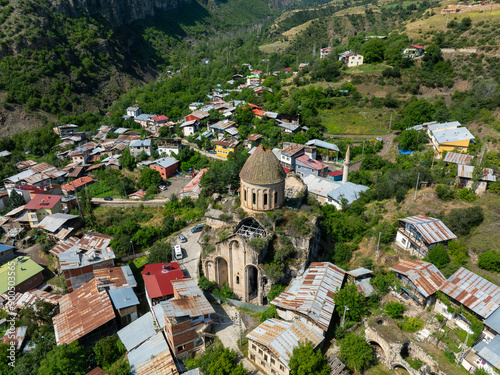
point(262, 168)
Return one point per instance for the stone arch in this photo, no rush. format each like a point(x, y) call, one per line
point(252, 282)
point(379, 350)
point(221, 271)
point(234, 245)
point(396, 365)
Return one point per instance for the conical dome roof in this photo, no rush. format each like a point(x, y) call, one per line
point(262, 168)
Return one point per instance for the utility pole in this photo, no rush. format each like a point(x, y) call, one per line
point(132, 244)
point(416, 188)
point(363, 152)
point(378, 243)
point(343, 317)
point(390, 122)
point(124, 190)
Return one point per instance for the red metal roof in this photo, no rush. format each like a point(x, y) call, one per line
point(286, 170)
point(158, 278)
point(417, 46)
point(258, 112)
point(159, 118)
point(335, 173)
point(42, 201)
point(82, 181)
point(287, 69)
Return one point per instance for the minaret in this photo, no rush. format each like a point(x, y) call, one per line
point(347, 161)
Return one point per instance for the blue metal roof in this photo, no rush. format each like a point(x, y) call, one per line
point(348, 191)
point(493, 321)
point(5, 248)
point(491, 352)
point(322, 144)
point(147, 351)
point(123, 297)
point(137, 332)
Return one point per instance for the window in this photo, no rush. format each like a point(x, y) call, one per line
point(265, 357)
point(273, 361)
point(282, 368)
point(237, 279)
point(254, 347)
point(260, 351)
point(245, 195)
point(265, 199)
point(275, 197)
point(180, 347)
point(403, 240)
point(254, 198)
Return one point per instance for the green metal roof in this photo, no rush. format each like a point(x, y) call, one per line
point(24, 269)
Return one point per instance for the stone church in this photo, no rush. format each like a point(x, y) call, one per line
point(234, 261)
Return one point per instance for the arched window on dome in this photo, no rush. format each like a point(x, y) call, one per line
point(265, 199)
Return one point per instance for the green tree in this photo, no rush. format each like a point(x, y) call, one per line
point(350, 297)
point(458, 251)
point(355, 352)
point(373, 50)
point(444, 192)
point(462, 220)
point(490, 261)
point(127, 160)
point(412, 140)
point(15, 200)
point(438, 256)
point(395, 310)
point(415, 113)
point(160, 252)
point(108, 350)
point(269, 313)
point(305, 361)
point(65, 360)
point(149, 177)
point(433, 55)
point(217, 360)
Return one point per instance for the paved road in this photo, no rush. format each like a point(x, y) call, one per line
point(191, 251)
point(129, 202)
point(206, 153)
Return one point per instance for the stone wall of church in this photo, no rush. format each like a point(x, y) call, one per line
point(255, 198)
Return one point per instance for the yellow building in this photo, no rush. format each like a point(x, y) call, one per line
point(41, 206)
point(457, 140)
point(225, 146)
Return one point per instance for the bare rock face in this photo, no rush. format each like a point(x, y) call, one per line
point(119, 12)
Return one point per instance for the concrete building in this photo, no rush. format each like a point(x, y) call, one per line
point(167, 167)
point(262, 182)
point(168, 146)
point(138, 146)
point(323, 52)
point(193, 188)
point(225, 146)
point(351, 59)
point(6, 253)
point(66, 131)
point(187, 315)
point(133, 111)
point(28, 275)
point(420, 280)
point(305, 166)
point(41, 206)
point(190, 127)
point(418, 234)
point(455, 139)
point(271, 344)
point(158, 279)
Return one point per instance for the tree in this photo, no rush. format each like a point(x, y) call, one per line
point(217, 360)
point(65, 360)
point(350, 296)
point(416, 112)
point(15, 200)
point(444, 192)
point(269, 313)
point(108, 350)
point(462, 220)
point(489, 260)
point(355, 352)
point(373, 50)
point(395, 310)
point(149, 177)
point(305, 361)
point(160, 252)
point(439, 256)
point(127, 160)
point(458, 252)
point(411, 139)
point(432, 55)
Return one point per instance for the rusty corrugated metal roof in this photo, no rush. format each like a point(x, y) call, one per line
point(424, 275)
point(22, 300)
point(313, 293)
point(116, 277)
point(188, 300)
point(458, 158)
point(280, 337)
point(473, 291)
point(62, 246)
point(152, 357)
point(82, 311)
point(432, 230)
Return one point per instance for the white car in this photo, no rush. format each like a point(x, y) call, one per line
point(178, 252)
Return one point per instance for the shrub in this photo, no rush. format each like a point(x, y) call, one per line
point(439, 256)
point(489, 260)
point(462, 220)
point(275, 291)
point(206, 285)
point(395, 310)
point(412, 325)
point(444, 192)
point(270, 313)
point(467, 195)
point(224, 293)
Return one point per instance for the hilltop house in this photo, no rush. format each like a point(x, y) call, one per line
point(225, 146)
point(418, 234)
point(42, 205)
point(413, 51)
point(138, 146)
point(455, 139)
point(168, 146)
point(325, 52)
point(351, 58)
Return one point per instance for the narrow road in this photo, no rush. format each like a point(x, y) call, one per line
point(206, 153)
point(191, 251)
point(129, 202)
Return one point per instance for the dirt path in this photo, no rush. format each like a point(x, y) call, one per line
point(388, 139)
point(227, 328)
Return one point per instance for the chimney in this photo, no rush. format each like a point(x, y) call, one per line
point(347, 162)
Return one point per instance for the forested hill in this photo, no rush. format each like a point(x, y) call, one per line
point(70, 56)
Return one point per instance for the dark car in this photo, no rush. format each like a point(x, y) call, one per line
point(182, 238)
point(108, 198)
point(212, 151)
point(197, 228)
point(168, 183)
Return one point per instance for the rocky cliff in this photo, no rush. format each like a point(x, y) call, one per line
point(119, 12)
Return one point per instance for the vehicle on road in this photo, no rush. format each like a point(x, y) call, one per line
point(197, 228)
point(178, 252)
point(182, 238)
point(212, 151)
point(108, 198)
point(168, 183)
point(163, 187)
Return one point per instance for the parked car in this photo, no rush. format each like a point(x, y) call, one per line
point(163, 187)
point(178, 252)
point(197, 228)
point(168, 183)
point(108, 198)
point(182, 238)
point(212, 151)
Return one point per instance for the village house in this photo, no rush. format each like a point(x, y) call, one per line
point(458, 158)
point(28, 275)
point(418, 234)
point(193, 188)
point(319, 187)
point(144, 119)
point(225, 146)
point(305, 166)
point(30, 298)
point(455, 139)
point(158, 121)
point(345, 194)
point(158, 279)
point(221, 128)
point(167, 167)
point(76, 185)
point(133, 111)
point(253, 140)
point(78, 258)
point(187, 315)
point(42, 205)
point(329, 151)
point(361, 278)
point(86, 315)
point(66, 131)
point(351, 58)
point(465, 176)
point(168, 146)
point(60, 226)
point(291, 151)
point(6, 252)
point(413, 51)
point(311, 296)
point(420, 280)
point(325, 52)
point(271, 344)
point(152, 357)
point(484, 355)
point(138, 146)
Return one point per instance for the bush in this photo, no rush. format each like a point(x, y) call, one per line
point(224, 293)
point(462, 220)
point(275, 291)
point(490, 261)
point(439, 256)
point(411, 325)
point(445, 192)
point(206, 285)
point(270, 313)
point(467, 195)
point(395, 310)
